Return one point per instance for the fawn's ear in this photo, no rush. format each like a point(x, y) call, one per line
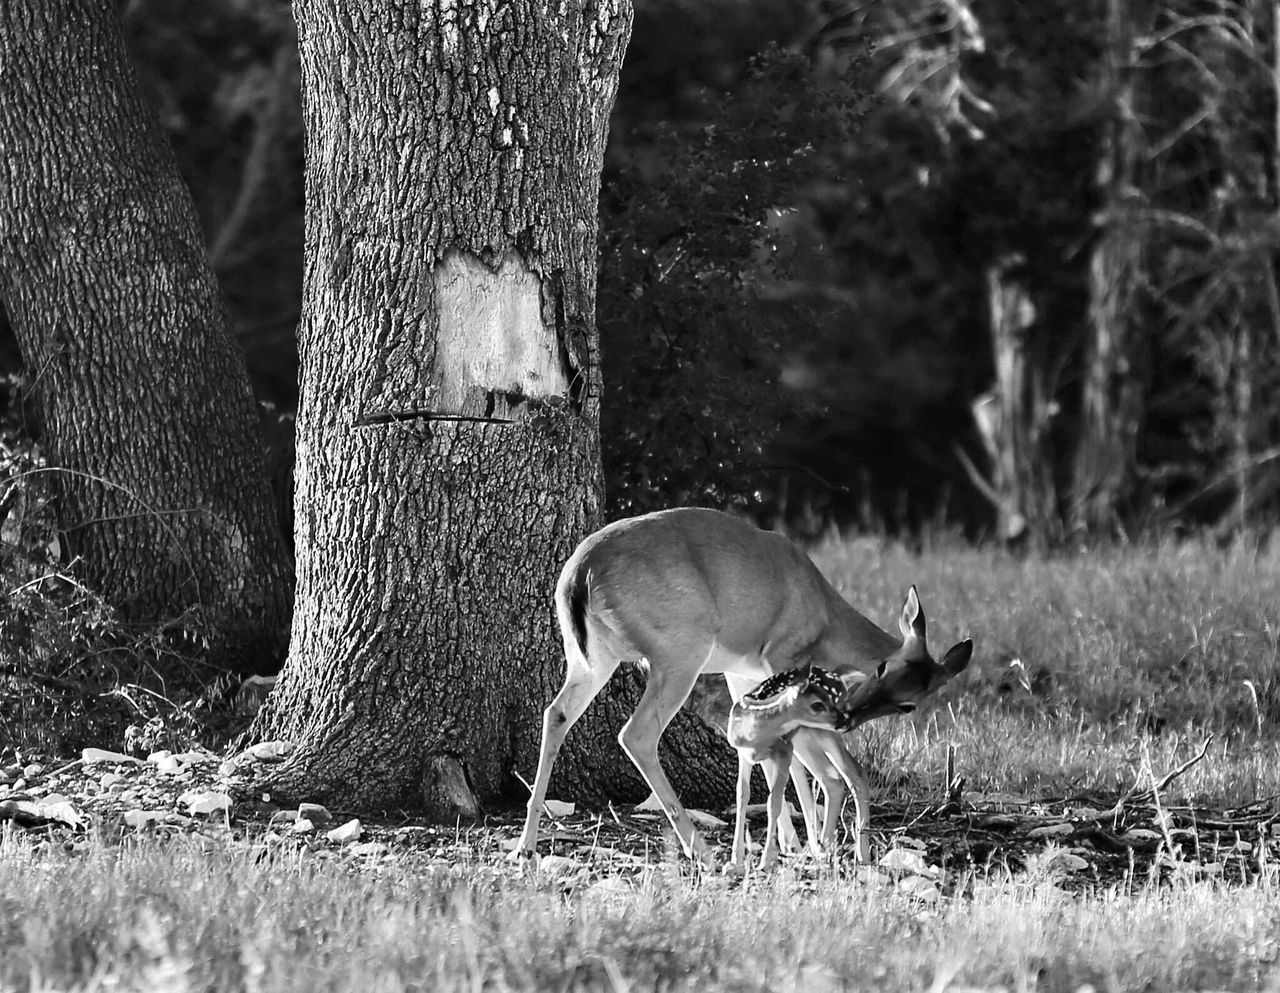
point(957, 658)
point(911, 621)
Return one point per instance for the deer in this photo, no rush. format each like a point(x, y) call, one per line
point(691, 591)
point(897, 686)
point(760, 727)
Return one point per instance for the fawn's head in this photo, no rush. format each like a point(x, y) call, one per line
point(801, 697)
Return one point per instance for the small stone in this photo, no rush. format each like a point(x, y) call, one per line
point(32, 770)
point(167, 765)
point(92, 756)
point(302, 826)
point(557, 866)
point(159, 755)
point(110, 779)
point(271, 751)
point(905, 860)
point(141, 818)
point(315, 813)
point(196, 758)
point(210, 802)
point(920, 888)
point(345, 833)
point(10, 774)
point(284, 817)
point(1050, 831)
point(368, 848)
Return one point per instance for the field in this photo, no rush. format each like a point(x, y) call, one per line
point(1130, 657)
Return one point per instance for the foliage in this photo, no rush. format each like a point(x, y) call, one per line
point(704, 243)
point(223, 76)
point(72, 672)
point(793, 294)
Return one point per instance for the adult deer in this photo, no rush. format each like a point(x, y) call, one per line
point(691, 591)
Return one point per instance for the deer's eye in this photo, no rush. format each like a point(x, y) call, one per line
point(818, 706)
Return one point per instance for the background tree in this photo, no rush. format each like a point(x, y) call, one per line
point(145, 409)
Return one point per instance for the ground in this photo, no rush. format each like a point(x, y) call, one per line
point(1091, 805)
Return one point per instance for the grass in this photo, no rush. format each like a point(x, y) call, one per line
point(1133, 655)
point(174, 917)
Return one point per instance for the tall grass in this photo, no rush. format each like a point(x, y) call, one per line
point(1133, 653)
point(172, 918)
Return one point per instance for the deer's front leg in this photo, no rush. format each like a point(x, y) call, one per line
point(855, 777)
point(776, 775)
point(745, 765)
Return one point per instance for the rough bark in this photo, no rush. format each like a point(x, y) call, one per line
point(1112, 383)
point(144, 400)
point(447, 436)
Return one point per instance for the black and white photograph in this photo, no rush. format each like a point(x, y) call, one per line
point(690, 496)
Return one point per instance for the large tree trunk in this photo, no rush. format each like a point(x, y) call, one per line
point(1111, 389)
point(448, 444)
point(143, 396)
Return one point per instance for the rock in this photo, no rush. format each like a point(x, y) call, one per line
point(158, 755)
point(141, 818)
point(345, 833)
point(315, 813)
point(703, 819)
point(210, 802)
point(560, 808)
point(920, 888)
point(1050, 831)
point(10, 774)
point(196, 758)
point(302, 826)
point(905, 860)
point(271, 751)
point(31, 771)
point(368, 848)
point(167, 765)
point(284, 817)
point(557, 866)
point(93, 756)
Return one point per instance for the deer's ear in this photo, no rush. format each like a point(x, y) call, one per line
point(911, 621)
point(957, 658)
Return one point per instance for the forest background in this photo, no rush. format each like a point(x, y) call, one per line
point(1012, 268)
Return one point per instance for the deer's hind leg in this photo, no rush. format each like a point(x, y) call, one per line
point(583, 680)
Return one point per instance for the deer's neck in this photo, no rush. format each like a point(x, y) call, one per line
point(851, 641)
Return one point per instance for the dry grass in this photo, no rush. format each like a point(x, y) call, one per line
point(172, 918)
